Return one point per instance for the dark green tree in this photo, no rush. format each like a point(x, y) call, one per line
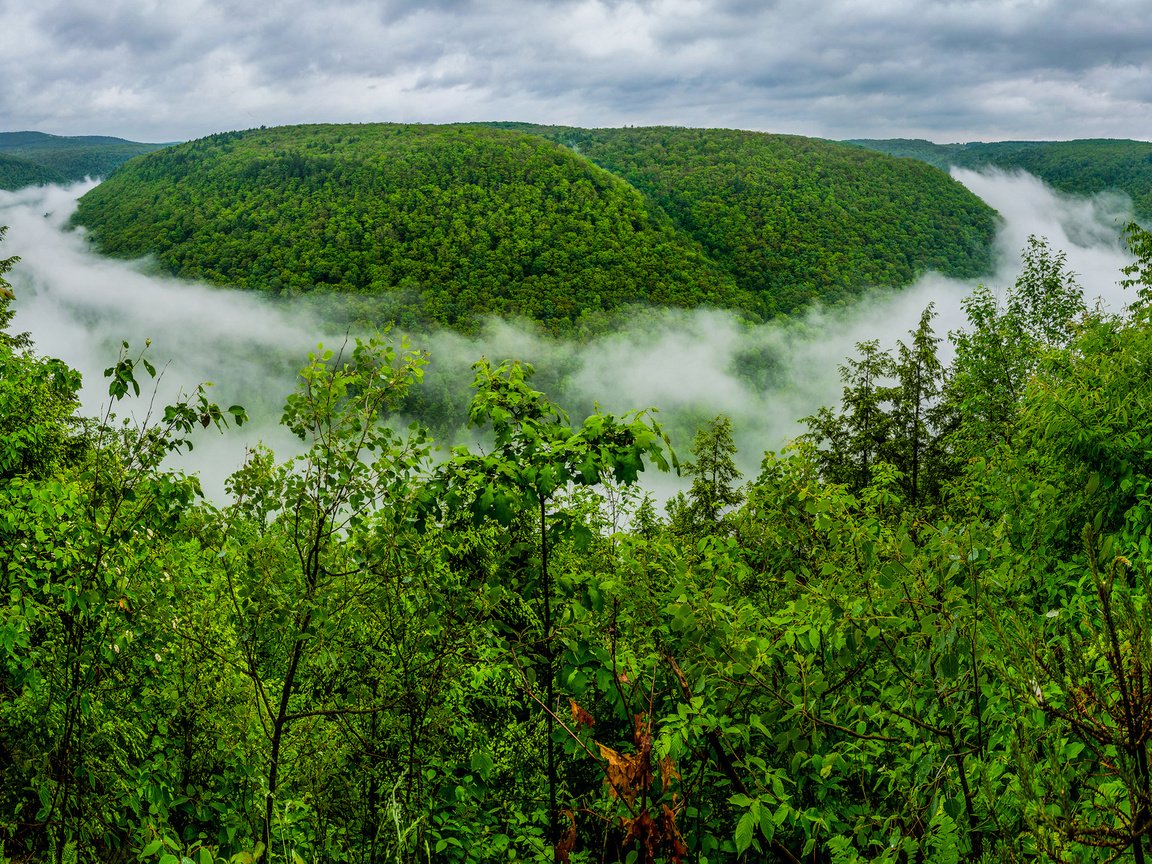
point(919, 378)
point(852, 440)
point(714, 489)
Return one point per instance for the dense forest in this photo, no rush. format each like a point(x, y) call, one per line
point(796, 218)
point(37, 159)
point(445, 223)
point(1083, 167)
point(921, 633)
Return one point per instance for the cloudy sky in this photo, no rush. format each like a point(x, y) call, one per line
point(947, 70)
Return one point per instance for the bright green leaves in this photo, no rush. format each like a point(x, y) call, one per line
point(179, 419)
point(122, 374)
point(1138, 274)
point(353, 390)
point(37, 401)
point(537, 454)
point(759, 820)
point(6, 265)
point(1006, 340)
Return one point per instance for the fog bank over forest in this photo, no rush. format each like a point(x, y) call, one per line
point(690, 365)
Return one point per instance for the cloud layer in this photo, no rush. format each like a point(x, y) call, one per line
point(692, 366)
point(947, 70)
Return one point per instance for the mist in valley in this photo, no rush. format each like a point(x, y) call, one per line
point(690, 365)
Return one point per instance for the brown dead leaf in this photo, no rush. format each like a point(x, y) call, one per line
point(668, 773)
point(623, 773)
point(581, 717)
point(673, 841)
point(644, 831)
point(568, 842)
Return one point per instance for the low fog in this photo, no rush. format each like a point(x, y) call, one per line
point(80, 307)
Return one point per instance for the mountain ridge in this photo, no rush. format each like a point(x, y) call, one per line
point(1083, 166)
point(445, 222)
point(30, 158)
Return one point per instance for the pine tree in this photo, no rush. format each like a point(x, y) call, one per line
point(919, 377)
point(715, 477)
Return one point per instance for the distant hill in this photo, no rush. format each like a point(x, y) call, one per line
point(36, 158)
point(449, 222)
point(452, 222)
point(1082, 167)
point(18, 173)
point(797, 219)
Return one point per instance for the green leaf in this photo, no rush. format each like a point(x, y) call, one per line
point(950, 665)
point(744, 831)
point(152, 848)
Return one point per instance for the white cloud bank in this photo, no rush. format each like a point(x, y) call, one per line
point(79, 307)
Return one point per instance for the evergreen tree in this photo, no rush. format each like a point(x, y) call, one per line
point(715, 477)
point(853, 440)
point(919, 377)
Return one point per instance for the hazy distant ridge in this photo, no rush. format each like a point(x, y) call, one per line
point(1083, 167)
point(36, 158)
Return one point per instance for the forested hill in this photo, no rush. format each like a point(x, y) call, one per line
point(449, 222)
point(1081, 167)
point(797, 218)
point(36, 158)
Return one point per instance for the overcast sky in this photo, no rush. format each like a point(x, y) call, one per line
point(166, 70)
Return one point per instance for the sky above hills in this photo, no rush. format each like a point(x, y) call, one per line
point(946, 70)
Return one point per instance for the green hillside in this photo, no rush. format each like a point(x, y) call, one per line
point(1080, 167)
point(18, 173)
point(448, 222)
point(35, 158)
point(798, 219)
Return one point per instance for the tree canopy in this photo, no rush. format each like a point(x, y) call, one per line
point(443, 224)
point(1082, 167)
point(921, 633)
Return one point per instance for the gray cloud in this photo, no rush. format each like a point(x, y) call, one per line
point(976, 69)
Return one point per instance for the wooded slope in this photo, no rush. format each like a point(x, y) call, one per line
point(798, 219)
point(1082, 167)
point(35, 158)
point(450, 222)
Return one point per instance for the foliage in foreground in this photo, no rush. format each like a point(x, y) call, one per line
point(922, 634)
